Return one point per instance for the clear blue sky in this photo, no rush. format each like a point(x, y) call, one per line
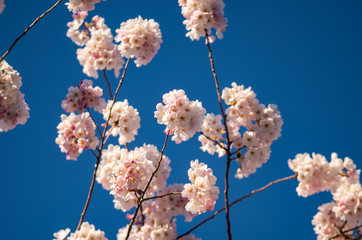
point(304, 56)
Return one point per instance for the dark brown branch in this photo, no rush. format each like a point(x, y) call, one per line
point(343, 233)
point(228, 155)
point(161, 196)
point(236, 201)
point(28, 28)
point(103, 140)
point(140, 200)
point(108, 84)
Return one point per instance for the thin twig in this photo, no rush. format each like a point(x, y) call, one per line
point(236, 201)
point(28, 28)
point(215, 141)
point(99, 130)
point(126, 146)
point(161, 196)
point(108, 84)
point(145, 189)
point(103, 140)
point(342, 233)
point(228, 154)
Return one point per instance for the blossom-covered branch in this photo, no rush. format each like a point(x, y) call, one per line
point(236, 201)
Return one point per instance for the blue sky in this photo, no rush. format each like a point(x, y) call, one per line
point(304, 56)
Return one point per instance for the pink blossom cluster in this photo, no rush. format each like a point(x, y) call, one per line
point(153, 229)
point(86, 232)
point(79, 37)
point(13, 108)
point(316, 174)
point(124, 119)
point(140, 39)
point(79, 98)
point(262, 125)
point(341, 178)
point(212, 128)
point(75, 134)
point(325, 222)
point(182, 117)
point(2, 5)
point(99, 52)
point(201, 192)
point(203, 15)
point(169, 206)
point(81, 5)
point(126, 172)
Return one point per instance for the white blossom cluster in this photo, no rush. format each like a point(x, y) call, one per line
point(153, 229)
point(2, 5)
point(79, 37)
point(203, 15)
point(13, 108)
point(140, 39)
point(75, 134)
point(213, 128)
point(124, 173)
point(81, 5)
point(79, 98)
point(99, 52)
point(325, 222)
point(316, 174)
point(341, 178)
point(86, 232)
point(169, 206)
point(182, 117)
point(262, 125)
point(202, 192)
point(124, 119)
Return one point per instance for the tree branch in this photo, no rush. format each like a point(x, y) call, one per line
point(228, 154)
point(141, 199)
point(103, 140)
point(28, 28)
point(236, 201)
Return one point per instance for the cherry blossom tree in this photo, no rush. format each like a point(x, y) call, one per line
point(241, 133)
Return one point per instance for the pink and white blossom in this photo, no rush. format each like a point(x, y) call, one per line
point(140, 39)
point(182, 117)
point(79, 36)
point(87, 232)
point(201, 192)
point(203, 15)
point(2, 5)
point(13, 108)
point(79, 98)
point(75, 134)
point(100, 52)
point(81, 5)
point(124, 119)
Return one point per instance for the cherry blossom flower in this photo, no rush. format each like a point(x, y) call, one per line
point(75, 134)
point(81, 5)
point(203, 15)
point(202, 192)
point(124, 119)
point(180, 115)
point(79, 98)
point(140, 39)
point(13, 108)
point(87, 232)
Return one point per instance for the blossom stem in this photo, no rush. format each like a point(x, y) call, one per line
point(99, 130)
point(236, 201)
point(215, 141)
point(141, 199)
point(228, 154)
point(161, 196)
point(108, 84)
point(28, 28)
point(103, 140)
